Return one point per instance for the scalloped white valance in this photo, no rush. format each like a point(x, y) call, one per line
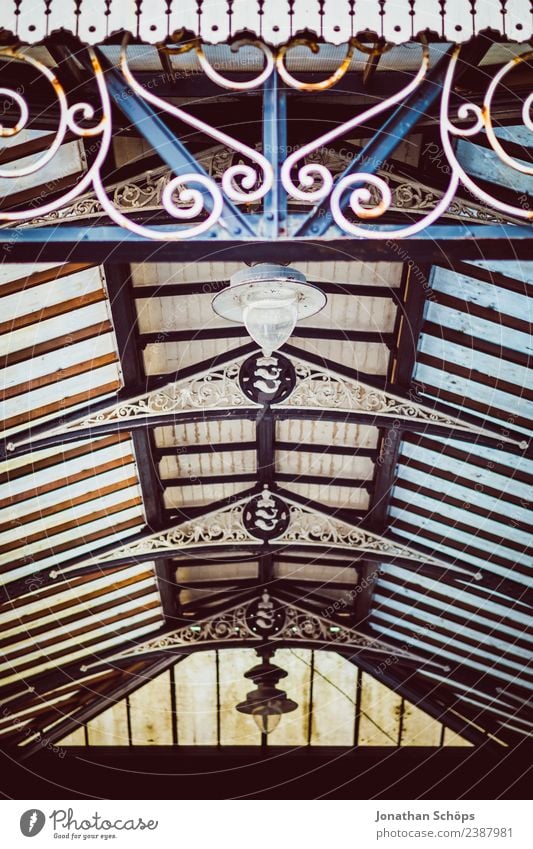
point(275, 21)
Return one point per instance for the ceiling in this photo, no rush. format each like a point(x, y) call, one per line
point(79, 339)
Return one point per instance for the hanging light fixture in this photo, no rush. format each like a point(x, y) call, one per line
point(266, 704)
point(269, 300)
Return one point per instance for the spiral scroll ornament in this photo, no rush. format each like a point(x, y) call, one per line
point(311, 174)
point(483, 120)
point(196, 201)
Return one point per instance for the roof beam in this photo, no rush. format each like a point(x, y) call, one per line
point(329, 333)
point(406, 395)
point(223, 447)
point(266, 473)
point(33, 441)
point(401, 367)
point(111, 243)
point(126, 330)
point(13, 448)
point(176, 290)
point(170, 540)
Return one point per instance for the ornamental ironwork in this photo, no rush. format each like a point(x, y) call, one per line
point(312, 527)
point(248, 383)
point(266, 516)
point(290, 623)
point(214, 389)
point(272, 518)
point(319, 388)
point(144, 193)
point(197, 202)
point(267, 380)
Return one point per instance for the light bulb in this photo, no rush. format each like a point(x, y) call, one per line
point(270, 322)
point(267, 717)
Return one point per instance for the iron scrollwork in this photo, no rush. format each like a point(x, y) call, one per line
point(280, 622)
point(267, 379)
point(269, 518)
point(266, 516)
point(196, 200)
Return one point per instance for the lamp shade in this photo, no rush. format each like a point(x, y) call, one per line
point(268, 300)
point(267, 717)
point(266, 704)
point(270, 321)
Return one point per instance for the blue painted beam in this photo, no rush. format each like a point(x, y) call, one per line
point(438, 244)
point(172, 151)
point(274, 219)
point(484, 164)
point(382, 144)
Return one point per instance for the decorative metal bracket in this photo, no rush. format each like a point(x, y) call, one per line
point(214, 389)
point(266, 618)
point(198, 203)
point(322, 389)
point(307, 526)
point(145, 192)
point(268, 517)
point(219, 388)
point(284, 382)
point(243, 383)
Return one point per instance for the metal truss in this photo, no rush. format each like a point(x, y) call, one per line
point(270, 518)
point(266, 618)
point(284, 385)
point(343, 206)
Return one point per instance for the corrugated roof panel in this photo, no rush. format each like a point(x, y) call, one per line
point(480, 328)
point(471, 503)
point(188, 572)
point(327, 433)
point(314, 570)
point(331, 496)
point(498, 525)
point(477, 501)
point(453, 650)
point(66, 502)
point(55, 311)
